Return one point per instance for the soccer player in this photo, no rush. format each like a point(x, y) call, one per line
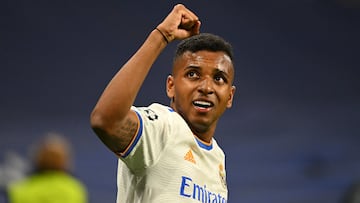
point(168, 153)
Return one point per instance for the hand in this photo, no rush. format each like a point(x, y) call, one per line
point(180, 24)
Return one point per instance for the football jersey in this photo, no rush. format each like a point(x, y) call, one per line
point(166, 162)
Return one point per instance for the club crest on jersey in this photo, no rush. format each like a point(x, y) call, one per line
point(222, 175)
point(151, 115)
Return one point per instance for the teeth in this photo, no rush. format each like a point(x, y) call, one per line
point(202, 103)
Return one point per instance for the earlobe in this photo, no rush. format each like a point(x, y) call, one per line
point(231, 96)
point(170, 86)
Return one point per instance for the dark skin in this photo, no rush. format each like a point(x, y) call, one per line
point(201, 88)
point(112, 118)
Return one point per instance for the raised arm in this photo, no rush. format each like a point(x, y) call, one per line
point(111, 119)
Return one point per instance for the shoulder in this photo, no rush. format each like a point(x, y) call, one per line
point(160, 108)
point(218, 150)
point(154, 111)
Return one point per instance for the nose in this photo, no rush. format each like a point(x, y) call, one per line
point(206, 86)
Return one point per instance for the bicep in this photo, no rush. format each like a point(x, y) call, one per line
point(121, 133)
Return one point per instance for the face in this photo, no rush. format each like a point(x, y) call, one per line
point(201, 88)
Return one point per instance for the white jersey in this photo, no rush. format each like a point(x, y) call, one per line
point(166, 162)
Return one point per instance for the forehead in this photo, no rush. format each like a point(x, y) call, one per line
point(207, 60)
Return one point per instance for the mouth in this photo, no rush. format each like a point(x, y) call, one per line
point(203, 104)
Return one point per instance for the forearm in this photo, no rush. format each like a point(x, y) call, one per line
point(111, 119)
point(119, 95)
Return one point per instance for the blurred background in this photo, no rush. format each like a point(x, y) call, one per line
point(292, 135)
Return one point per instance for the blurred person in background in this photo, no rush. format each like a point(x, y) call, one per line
point(352, 194)
point(51, 180)
point(13, 167)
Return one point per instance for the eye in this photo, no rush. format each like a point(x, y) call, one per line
point(220, 79)
point(192, 75)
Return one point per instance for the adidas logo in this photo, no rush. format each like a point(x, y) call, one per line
point(190, 157)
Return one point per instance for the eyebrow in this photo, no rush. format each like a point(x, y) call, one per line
point(216, 71)
point(192, 67)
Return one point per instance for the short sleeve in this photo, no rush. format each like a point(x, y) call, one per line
point(152, 137)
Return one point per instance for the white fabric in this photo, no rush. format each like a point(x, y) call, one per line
point(167, 163)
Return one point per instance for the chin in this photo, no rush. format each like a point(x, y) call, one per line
point(200, 126)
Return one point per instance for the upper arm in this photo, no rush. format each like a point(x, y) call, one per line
point(119, 135)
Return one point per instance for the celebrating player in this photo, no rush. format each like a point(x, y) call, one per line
point(168, 153)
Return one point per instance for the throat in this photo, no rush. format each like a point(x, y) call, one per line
point(205, 135)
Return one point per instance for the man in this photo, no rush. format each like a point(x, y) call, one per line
point(168, 154)
point(51, 181)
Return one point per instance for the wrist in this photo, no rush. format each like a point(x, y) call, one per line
point(163, 35)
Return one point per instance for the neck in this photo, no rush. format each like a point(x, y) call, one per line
point(202, 134)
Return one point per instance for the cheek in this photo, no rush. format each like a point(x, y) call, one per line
point(227, 97)
point(183, 89)
point(180, 93)
point(183, 94)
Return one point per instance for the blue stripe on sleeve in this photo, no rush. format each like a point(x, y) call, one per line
point(137, 136)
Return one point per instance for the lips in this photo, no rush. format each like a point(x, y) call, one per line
point(203, 104)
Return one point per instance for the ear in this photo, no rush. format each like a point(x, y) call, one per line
point(170, 87)
point(231, 97)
